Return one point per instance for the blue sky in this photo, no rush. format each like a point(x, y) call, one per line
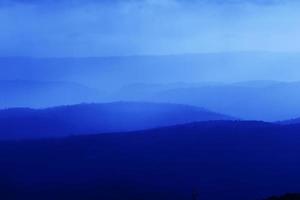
point(46, 28)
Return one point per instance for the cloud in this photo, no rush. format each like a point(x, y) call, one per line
point(126, 27)
point(74, 2)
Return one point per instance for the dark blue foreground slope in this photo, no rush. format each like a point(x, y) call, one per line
point(220, 160)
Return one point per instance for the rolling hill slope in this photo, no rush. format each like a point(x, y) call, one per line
point(252, 100)
point(91, 118)
point(221, 160)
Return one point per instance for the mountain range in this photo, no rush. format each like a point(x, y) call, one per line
point(101, 72)
point(46, 82)
point(22, 123)
point(252, 100)
point(33, 93)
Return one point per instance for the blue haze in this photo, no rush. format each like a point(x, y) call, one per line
point(130, 27)
point(81, 67)
point(105, 46)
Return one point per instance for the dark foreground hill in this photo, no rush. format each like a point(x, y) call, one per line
point(286, 197)
point(218, 160)
point(95, 118)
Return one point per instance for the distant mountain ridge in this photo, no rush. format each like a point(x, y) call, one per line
point(34, 93)
point(91, 118)
point(252, 100)
point(118, 70)
point(290, 122)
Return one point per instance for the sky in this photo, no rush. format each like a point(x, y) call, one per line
point(81, 28)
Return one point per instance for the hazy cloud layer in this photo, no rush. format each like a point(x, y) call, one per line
point(126, 27)
point(265, 2)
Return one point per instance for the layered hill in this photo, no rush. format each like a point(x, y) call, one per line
point(60, 121)
point(253, 100)
point(111, 71)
